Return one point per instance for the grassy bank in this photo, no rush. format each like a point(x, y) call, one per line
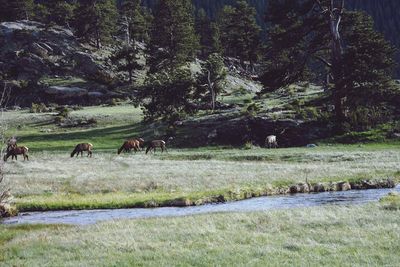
point(330, 236)
point(185, 177)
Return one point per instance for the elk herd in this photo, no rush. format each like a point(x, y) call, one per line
point(136, 144)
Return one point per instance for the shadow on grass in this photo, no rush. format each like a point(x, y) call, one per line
point(105, 138)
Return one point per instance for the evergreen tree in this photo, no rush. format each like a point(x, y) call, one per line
point(16, 10)
point(240, 32)
point(367, 64)
point(301, 38)
point(126, 60)
point(59, 12)
point(173, 39)
point(169, 95)
point(213, 77)
point(95, 20)
point(136, 20)
point(206, 33)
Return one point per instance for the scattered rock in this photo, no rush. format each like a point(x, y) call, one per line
point(299, 188)
point(65, 92)
point(343, 186)
point(6, 210)
point(319, 188)
point(181, 202)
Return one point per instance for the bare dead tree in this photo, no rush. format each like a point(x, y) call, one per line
point(333, 12)
point(5, 196)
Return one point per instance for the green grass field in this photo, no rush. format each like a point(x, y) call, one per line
point(52, 180)
point(319, 236)
point(333, 236)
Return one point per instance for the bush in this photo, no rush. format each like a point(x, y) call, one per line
point(251, 109)
point(38, 108)
point(63, 111)
point(240, 91)
point(310, 113)
point(248, 145)
point(113, 102)
point(297, 103)
point(58, 119)
point(92, 121)
point(366, 118)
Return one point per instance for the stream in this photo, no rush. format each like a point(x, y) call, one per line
point(86, 217)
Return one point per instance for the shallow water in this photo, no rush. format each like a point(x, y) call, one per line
point(86, 217)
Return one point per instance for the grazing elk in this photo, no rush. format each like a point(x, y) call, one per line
point(271, 141)
point(17, 150)
point(11, 143)
point(128, 145)
point(156, 143)
point(79, 148)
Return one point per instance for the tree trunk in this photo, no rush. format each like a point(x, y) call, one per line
point(212, 91)
point(335, 17)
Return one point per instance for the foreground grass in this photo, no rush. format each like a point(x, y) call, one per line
point(331, 236)
point(391, 202)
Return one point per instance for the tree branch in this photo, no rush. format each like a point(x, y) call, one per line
point(323, 60)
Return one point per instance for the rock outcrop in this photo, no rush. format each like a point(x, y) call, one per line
point(32, 55)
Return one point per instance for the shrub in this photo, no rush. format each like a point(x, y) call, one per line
point(248, 145)
point(251, 109)
point(297, 103)
point(58, 119)
point(92, 121)
point(366, 118)
point(310, 113)
point(38, 108)
point(240, 91)
point(113, 102)
point(63, 111)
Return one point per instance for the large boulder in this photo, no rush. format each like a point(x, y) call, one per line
point(65, 92)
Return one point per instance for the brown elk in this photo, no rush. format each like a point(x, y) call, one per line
point(17, 150)
point(11, 143)
point(156, 143)
point(79, 148)
point(128, 145)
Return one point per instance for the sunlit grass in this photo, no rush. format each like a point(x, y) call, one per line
point(56, 181)
point(318, 236)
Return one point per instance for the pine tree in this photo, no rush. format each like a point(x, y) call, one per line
point(59, 12)
point(136, 20)
point(95, 20)
point(212, 77)
point(301, 38)
point(240, 33)
point(16, 10)
point(169, 96)
point(173, 39)
point(126, 60)
point(204, 31)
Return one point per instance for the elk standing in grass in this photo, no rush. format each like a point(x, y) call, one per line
point(82, 147)
point(11, 144)
point(156, 143)
point(17, 150)
point(270, 141)
point(128, 145)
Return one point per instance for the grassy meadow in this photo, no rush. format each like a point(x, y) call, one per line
point(52, 180)
point(331, 236)
point(365, 235)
